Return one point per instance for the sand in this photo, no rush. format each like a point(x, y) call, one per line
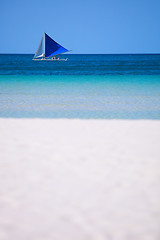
point(79, 179)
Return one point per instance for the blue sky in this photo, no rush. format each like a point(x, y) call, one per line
point(86, 26)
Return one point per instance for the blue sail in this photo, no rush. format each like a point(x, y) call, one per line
point(52, 47)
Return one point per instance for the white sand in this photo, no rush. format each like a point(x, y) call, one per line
point(79, 179)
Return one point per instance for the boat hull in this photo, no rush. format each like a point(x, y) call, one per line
point(48, 60)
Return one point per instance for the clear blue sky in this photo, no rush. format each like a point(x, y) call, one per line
point(85, 26)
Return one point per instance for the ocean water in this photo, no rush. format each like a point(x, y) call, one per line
point(86, 86)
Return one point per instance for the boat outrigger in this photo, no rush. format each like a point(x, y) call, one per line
point(48, 49)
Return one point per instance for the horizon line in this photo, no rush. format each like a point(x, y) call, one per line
point(86, 53)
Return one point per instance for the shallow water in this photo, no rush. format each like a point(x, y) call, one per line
point(110, 97)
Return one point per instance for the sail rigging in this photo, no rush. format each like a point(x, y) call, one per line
point(53, 48)
point(50, 49)
point(39, 52)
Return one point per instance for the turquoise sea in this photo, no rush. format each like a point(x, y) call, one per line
point(122, 86)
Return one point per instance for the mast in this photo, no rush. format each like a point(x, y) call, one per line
point(44, 46)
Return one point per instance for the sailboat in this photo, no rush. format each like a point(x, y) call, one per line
point(48, 49)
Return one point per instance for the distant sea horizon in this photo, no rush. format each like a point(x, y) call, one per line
point(88, 53)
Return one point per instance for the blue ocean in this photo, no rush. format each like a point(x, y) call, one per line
point(99, 86)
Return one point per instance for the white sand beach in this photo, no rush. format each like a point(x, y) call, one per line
point(64, 179)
